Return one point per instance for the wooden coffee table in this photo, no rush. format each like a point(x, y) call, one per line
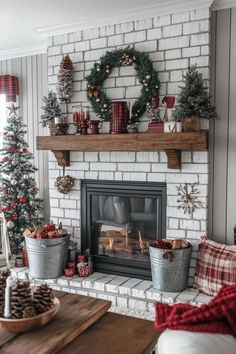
point(83, 325)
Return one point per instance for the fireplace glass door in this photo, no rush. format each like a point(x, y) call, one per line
point(121, 220)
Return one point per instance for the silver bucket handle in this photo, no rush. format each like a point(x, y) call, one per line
point(59, 244)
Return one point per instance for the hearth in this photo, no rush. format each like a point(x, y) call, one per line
point(118, 219)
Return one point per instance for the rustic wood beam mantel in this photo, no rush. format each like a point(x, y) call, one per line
point(171, 143)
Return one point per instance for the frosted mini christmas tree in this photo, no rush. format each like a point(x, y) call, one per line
point(18, 191)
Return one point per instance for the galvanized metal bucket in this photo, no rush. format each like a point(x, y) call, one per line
point(47, 258)
point(170, 275)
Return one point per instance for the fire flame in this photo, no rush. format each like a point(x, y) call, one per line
point(111, 243)
point(141, 243)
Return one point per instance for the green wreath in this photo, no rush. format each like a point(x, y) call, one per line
point(146, 74)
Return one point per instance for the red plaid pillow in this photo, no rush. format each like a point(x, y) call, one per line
point(216, 266)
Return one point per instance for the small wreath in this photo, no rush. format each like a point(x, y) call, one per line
point(146, 74)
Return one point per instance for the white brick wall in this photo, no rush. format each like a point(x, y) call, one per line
point(173, 42)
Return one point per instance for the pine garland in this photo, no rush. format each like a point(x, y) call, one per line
point(146, 74)
point(194, 98)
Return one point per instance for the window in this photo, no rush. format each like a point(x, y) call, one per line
point(4, 243)
point(3, 116)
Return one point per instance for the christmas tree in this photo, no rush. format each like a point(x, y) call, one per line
point(21, 207)
point(194, 98)
point(51, 109)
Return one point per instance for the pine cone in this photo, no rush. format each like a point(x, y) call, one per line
point(20, 298)
point(66, 63)
point(29, 311)
point(65, 79)
point(3, 277)
point(43, 298)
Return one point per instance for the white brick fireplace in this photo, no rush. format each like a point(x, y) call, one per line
point(173, 42)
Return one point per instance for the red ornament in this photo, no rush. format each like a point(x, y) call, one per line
point(25, 151)
point(162, 244)
point(12, 149)
point(22, 200)
point(5, 159)
point(42, 235)
point(49, 227)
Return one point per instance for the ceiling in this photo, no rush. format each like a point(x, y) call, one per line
point(27, 23)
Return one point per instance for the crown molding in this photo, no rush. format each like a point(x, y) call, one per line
point(163, 8)
point(223, 4)
point(23, 51)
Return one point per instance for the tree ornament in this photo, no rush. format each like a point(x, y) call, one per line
point(64, 184)
point(10, 225)
point(14, 162)
point(145, 73)
point(65, 79)
point(25, 176)
point(51, 109)
point(14, 182)
point(13, 110)
point(22, 200)
point(188, 198)
point(5, 159)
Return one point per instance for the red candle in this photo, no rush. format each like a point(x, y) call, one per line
point(76, 118)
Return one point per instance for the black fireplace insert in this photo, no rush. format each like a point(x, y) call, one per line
point(118, 220)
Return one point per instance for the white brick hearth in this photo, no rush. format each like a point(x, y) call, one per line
point(173, 42)
point(130, 296)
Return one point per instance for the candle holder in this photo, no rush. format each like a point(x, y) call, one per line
point(61, 124)
point(76, 118)
point(84, 120)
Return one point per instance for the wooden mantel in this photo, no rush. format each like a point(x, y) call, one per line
point(171, 143)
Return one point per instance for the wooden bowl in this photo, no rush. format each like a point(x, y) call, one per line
point(28, 324)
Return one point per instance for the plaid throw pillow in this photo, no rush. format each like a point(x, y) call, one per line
point(216, 266)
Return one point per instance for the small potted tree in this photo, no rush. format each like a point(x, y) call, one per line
point(194, 101)
point(51, 110)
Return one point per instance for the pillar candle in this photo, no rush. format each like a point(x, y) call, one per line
point(11, 281)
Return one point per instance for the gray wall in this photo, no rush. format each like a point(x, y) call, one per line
point(32, 73)
point(222, 211)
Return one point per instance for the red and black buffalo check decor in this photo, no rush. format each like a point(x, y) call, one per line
point(216, 266)
point(9, 85)
point(219, 316)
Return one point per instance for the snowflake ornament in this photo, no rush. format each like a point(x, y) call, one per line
point(188, 198)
